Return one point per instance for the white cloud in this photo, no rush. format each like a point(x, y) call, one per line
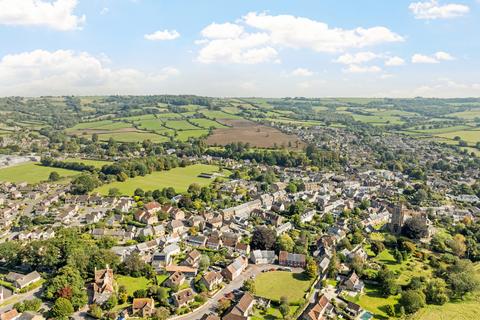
point(435, 58)
point(394, 62)
point(353, 68)
point(302, 72)
point(446, 88)
point(104, 11)
point(56, 15)
point(60, 72)
point(231, 43)
point(357, 58)
point(250, 48)
point(222, 31)
point(431, 10)
point(162, 35)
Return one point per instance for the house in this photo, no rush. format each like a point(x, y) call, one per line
point(183, 297)
point(242, 248)
point(186, 270)
point(263, 257)
point(353, 283)
point(192, 259)
point(164, 258)
point(173, 212)
point(213, 242)
point(146, 217)
point(307, 216)
point(10, 315)
point(242, 310)
point(21, 281)
point(233, 270)
point(323, 265)
point(143, 307)
point(152, 207)
point(291, 259)
point(5, 294)
point(211, 280)
point(353, 309)
point(176, 226)
point(210, 317)
point(103, 285)
point(175, 280)
point(287, 226)
point(197, 241)
point(319, 310)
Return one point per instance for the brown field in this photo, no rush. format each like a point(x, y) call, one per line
point(256, 135)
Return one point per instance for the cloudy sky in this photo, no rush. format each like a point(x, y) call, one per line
point(269, 48)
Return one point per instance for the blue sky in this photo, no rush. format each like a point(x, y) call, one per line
point(240, 47)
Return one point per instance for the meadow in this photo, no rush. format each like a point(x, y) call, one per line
point(31, 172)
point(178, 178)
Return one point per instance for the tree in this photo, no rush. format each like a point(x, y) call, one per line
point(53, 176)
point(415, 228)
point(134, 265)
point(285, 243)
point(457, 244)
point(95, 311)
point(204, 262)
point(311, 268)
point(110, 303)
point(114, 192)
point(284, 307)
point(223, 305)
point(436, 291)
point(69, 283)
point(388, 283)
point(62, 309)
point(161, 313)
point(412, 300)
point(377, 247)
point(249, 285)
point(84, 183)
point(462, 278)
point(263, 238)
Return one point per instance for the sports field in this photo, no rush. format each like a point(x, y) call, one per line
point(178, 178)
point(275, 284)
point(31, 172)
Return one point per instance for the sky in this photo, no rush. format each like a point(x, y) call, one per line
point(241, 48)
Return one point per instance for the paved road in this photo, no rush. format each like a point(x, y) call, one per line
point(36, 293)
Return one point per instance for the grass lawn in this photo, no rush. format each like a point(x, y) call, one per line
point(276, 284)
point(32, 172)
point(463, 310)
point(178, 178)
point(374, 302)
point(132, 284)
point(271, 313)
point(95, 163)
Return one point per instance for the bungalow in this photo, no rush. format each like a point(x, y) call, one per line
point(291, 259)
point(211, 280)
point(183, 297)
point(21, 281)
point(233, 270)
point(5, 294)
point(143, 307)
point(263, 257)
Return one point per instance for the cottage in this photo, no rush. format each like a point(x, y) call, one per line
point(183, 297)
point(233, 270)
point(211, 280)
point(319, 310)
point(143, 307)
point(242, 310)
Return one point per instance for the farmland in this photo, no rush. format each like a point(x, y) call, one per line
point(178, 178)
point(255, 134)
point(32, 173)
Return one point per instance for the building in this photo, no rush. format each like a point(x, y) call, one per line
point(21, 281)
point(291, 259)
point(175, 280)
point(353, 309)
point(103, 285)
point(242, 310)
point(263, 257)
point(143, 307)
point(397, 219)
point(319, 310)
point(10, 315)
point(184, 297)
point(5, 294)
point(233, 270)
point(212, 280)
point(353, 283)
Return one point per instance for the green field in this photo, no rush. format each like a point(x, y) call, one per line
point(180, 125)
point(133, 284)
point(132, 137)
point(216, 114)
point(207, 123)
point(276, 284)
point(373, 301)
point(178, 178)
point(95, 163)
point(467, 115)
point(185, 135)
point(470, 136)
point(32, 173)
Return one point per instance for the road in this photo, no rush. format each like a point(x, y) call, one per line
point(35, 293)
